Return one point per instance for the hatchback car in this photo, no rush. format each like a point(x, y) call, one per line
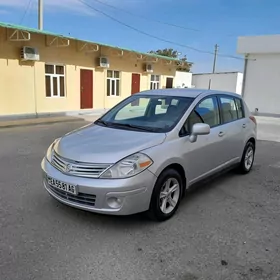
point(144, 153)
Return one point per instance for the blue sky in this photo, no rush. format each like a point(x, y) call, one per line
point(218, 21)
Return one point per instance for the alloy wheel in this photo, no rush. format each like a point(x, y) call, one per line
point(169, 195)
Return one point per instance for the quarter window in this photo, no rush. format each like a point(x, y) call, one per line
point(228, 109)
point(239, 107)
point(154, 82)
point(55, 80)
point(113, 83)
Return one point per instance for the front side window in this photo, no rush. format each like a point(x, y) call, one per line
point(113, 83)
point(55, 80)
point(152, 113)
point(154, 82)
point(207, 111)
point(228, 109)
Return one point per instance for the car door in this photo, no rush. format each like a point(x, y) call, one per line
point(233, 124)
point(206, 154)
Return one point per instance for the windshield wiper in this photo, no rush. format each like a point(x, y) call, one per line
point(101, 122)
point(142, 128)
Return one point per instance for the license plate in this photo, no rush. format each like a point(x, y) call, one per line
point(62, 185)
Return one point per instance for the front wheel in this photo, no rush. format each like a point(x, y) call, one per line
point(248, 157)
point(166, 195)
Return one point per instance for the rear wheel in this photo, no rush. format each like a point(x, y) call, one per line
point(248, 157)
point(166, 195)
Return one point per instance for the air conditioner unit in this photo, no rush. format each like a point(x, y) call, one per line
point(104, 62)
point(149, 68)
point(29, 53)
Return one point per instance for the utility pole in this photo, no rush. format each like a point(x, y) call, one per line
point(215, 57)
point(40, 14)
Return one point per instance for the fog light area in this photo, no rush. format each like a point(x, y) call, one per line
point(115, 202)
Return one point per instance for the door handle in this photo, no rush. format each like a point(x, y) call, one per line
point(244, 125)
point(221, 134)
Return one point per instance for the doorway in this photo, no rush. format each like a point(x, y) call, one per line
point(86, 88)
point(169, 82)
point(135, 86)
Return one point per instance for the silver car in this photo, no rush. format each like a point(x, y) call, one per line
point(143, 154)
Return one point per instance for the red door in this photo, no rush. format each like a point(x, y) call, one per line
point(86, 77)
point(135, 87)
point(135, 84)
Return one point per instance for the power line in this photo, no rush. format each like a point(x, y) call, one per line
point(153, 36)
point(26, 11)
point(155, 20)
point(146, 18)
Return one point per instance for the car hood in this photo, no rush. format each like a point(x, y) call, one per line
point(98, 144)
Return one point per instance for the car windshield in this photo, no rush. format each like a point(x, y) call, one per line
point(147, 113)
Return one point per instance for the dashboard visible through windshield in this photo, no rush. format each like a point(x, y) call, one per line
point(147, 113)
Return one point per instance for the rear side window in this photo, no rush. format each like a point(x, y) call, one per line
point(239, 108)
point(228, 109)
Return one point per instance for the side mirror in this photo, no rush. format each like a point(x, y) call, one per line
point(199, 129)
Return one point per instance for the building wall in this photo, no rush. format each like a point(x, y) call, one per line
point(239, 83)
point(183, 79)
point(22, 84)
point(219, 81)
point(261, 89)
point(259, 44)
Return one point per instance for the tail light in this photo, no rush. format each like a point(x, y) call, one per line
point(253, 119)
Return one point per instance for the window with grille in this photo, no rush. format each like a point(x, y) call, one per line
point(113, 83)
point(55, 80)
point(154, 82)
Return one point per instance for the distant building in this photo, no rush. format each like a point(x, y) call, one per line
point(42, 73)
point(225, 81)
point(183, 80)
point(261, 89)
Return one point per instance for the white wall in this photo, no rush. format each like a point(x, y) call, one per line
point(258, 44)
point(183, 79)
point(239, 83)
point(262, 86)
point(219, 81)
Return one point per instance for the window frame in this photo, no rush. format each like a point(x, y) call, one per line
point(219, 96)
point(111, 82)
point(242, 107)
point(54, 75)
point(154, 82)
point(183, 134)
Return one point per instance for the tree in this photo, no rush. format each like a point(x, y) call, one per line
point(186, 67)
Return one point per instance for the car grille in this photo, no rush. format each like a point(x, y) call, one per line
point(80, 169)
point(81, 198)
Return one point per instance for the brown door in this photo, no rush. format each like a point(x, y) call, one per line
point(135, 84)
point(169, 82)
point(86, 89)
point(135, 87)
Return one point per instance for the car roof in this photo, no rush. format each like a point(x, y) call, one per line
point(185, 92)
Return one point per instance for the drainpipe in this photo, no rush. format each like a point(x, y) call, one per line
point(244, 74)
point(35, 93)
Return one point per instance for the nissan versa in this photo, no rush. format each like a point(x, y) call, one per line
point(146, 151)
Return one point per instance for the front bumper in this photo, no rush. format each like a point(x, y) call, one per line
point(93, 195)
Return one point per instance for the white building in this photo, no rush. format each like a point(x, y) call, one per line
point(183, 79)
point(261, 88)
point(225, 81)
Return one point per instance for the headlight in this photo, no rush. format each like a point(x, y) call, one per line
point(49, 153)
point(128, 167)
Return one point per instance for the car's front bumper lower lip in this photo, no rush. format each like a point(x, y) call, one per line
point(133, 193)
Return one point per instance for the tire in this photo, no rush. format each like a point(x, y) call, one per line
point(245, 166)
point(161, 207)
